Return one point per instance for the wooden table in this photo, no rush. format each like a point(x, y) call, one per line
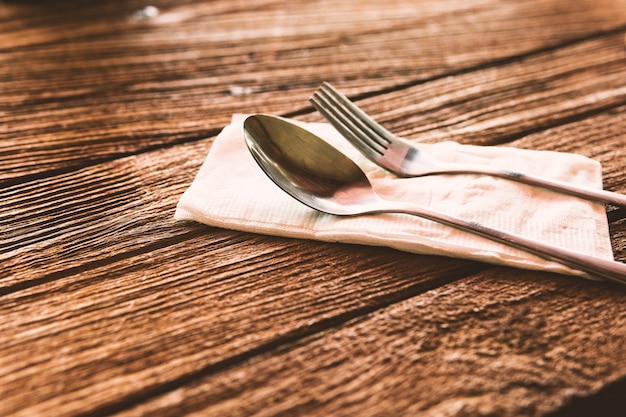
point(111, 307)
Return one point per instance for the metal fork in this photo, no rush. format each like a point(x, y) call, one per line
point(406, 159)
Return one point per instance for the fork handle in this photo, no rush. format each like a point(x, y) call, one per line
point(587, 193)
point(592, 265)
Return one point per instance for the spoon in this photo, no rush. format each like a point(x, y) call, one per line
point(320, 176)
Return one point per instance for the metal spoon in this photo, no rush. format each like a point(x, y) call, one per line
point(318, 175)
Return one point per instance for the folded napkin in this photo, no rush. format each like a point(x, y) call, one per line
point(231, 191)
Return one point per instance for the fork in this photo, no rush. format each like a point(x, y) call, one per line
point(406, 159)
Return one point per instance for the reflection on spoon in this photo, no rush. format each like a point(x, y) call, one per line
point(318, 175)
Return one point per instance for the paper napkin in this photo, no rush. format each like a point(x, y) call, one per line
point(231, 191)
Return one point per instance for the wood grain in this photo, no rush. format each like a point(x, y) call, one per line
point(235, 296)
point(129, 328)
point(504, 102)
point(450, 351)
point(110, 306)
point(128, 203)
point(94, 83)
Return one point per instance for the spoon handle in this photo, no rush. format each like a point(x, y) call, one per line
point(608, 269)
point(593, 194)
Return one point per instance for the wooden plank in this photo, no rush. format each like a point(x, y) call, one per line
point(68, 221)
point(73, 219)
point(104, 337)
point(508, 101)
point(170, 304)
point(483, 346)
point(75, 93)
point(108, 304)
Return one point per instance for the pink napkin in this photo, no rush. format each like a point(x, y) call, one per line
point(231, 191)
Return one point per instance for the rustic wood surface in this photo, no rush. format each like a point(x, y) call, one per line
point(111, 307)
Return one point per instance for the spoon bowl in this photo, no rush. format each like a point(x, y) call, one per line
point(307, 167)
point(318, 175)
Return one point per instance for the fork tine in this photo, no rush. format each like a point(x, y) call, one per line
point(365, 119)
point(344, 109)
point(339, 111)
point(343, 124)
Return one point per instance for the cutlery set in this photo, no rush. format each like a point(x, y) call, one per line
point(321, 177)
